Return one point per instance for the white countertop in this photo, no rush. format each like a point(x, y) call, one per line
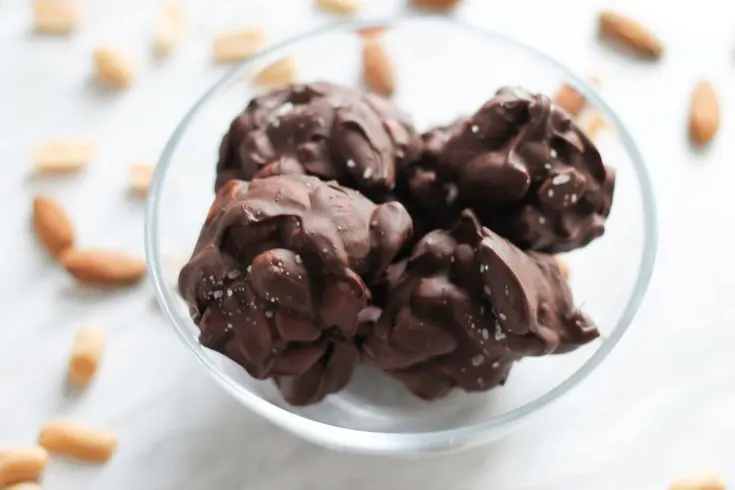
point(661, 405)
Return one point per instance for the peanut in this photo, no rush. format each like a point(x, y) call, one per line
point(140, 177)
point(702, 480)
point(563, 266)
point(278, 73)
point(89, 345)
point(63, 155)
point(78, 441)
point(170, 27)
point(114, 68)
point(237, 45)
point(22, 464)
point(24, 486)
point(342, 7)
point(55, 16)
point(569, 99)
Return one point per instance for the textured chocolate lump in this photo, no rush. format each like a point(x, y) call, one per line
point(320, 129)
point(278, 278)
point(523, 166)
point(466, 306)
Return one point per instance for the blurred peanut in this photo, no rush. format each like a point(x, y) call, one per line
point(141, 175)
point(170, 27)
point(22, 464)
point(569, 99)
point(63, 155)
point(114, 68)
point(78, 441)
point(278, 73)
point(55, 16)
point(701, 480)
point(238, 44)
point(342, 7)
point(89, 345)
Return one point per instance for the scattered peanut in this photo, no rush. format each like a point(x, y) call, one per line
point(89, 345)
point(278, 73)
point(24, 486)
point(570, 100)
point(563, 266)
point(372, 32)
point(114, 68)
point(52, 226)
point(170, 27)
point(342, 7)
point(592, 124)
point(103, 267)
point(237, 45)
point(63, 155)
point(378, 70)
point(22, 464)
point(77, 440)
point(55, 16)
point(703, 480)
point(141, 175)
point(440, 5)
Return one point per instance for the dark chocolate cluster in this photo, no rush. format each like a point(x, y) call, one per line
point(523, 166)
point(339, 236)
point(278, 277)
point(321, 129)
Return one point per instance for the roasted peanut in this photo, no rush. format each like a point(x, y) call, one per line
point(77, 440)
point(114, 68)
point(22, 464)
point(55, 16)
point(237, 45)
point(63, 155)
point(89, 345)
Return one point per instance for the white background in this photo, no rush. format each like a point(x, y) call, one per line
point(661, 405)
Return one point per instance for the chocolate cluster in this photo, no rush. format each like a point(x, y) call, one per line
point(339, 236)
point(320, 129)
point(523, 166)
point(278, 278)
point(467, 305)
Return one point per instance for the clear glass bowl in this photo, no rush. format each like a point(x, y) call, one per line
point(444, 69)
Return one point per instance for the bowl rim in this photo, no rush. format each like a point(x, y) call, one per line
point(396, 442)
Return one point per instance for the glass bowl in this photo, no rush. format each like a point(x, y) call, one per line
point(444, 69)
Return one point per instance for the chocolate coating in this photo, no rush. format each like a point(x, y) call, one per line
point(279, 275)
point(321, 129)
point(523, 166)
point(468, 304)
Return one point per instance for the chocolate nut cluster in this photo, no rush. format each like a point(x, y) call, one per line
point(523, 166)
point(320, 129)
point(467, 305)
point(278, 278)
point(339, 236)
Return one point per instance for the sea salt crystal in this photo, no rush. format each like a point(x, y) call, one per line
point(350, 163)
point(561, 179)
point(478, 360)
point(367, 173)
